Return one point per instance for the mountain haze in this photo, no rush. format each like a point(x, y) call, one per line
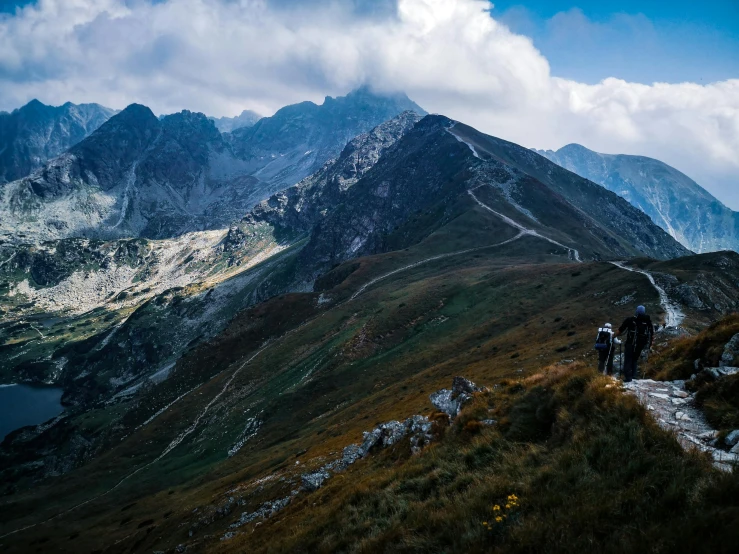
point(135, 176)
point(671, 199)
point(247, 118)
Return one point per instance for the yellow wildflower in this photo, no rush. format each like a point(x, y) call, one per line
point(507, 506)
point(498, 519)
point(496, 508)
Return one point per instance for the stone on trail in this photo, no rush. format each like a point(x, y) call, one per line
point(659, 395)
point(732, 438)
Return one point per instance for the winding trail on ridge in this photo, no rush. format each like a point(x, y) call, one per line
point(573, 253)
point(673, 314)
point(431, 259)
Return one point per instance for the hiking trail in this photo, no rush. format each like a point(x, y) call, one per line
point(431, 259)
point(673, 314)
point(673, 409)
point(574, 254)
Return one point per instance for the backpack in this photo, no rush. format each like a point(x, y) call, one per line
point(603, 340)
point(640, 332)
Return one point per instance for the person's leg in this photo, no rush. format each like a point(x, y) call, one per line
point(611, 355)
point(602, 355)
point(637, 355)
point(628, 363)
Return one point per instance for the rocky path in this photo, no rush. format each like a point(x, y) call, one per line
point(673, 409)
point(673, 314)
point(670, 404)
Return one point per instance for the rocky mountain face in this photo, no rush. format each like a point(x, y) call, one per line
point(35, 133)
point(135, 176)
point(460, 168)
point(671, 199)
point(297, 140)
point(247, 118)
point(143, 176)
point(297, 209)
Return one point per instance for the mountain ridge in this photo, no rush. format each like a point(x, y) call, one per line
point(139, 175)
point(670, 198)
point(34, 133)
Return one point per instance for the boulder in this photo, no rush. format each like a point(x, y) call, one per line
point(451, 401)
point(732, 438)
point(370, 439)
point(730, 357)
point(712, 372)
point(419, 428)
point(313, 481)
point(351, 454)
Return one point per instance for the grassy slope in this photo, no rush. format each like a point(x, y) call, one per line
point(591, 472)
point(490, 316)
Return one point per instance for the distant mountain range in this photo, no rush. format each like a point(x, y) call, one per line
point(139, 175)
point(247, 118)
point(35, 133)
point(670, 198)
point(297, 140)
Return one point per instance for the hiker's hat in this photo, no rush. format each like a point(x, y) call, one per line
point(641, 310)
point(607, 326)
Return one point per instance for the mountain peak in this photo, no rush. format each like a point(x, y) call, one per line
point(670, 198)
point(34, 103)
point(135, 111)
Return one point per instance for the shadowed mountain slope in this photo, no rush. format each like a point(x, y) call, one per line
point(134, 176)
point(35, 133)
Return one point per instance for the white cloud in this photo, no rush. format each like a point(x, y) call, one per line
point(220, 56)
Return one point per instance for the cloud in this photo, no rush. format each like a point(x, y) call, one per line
point(221, 56)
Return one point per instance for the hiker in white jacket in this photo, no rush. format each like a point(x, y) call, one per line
point(605, 344)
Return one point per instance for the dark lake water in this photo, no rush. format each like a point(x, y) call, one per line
point(22, 405)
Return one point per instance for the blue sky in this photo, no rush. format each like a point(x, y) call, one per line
point(654, 78)
point(644, 41)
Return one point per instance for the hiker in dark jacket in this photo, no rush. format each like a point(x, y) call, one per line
point(639, 335)
point(605, 344)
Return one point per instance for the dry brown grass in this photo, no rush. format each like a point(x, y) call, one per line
point(591, 473)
